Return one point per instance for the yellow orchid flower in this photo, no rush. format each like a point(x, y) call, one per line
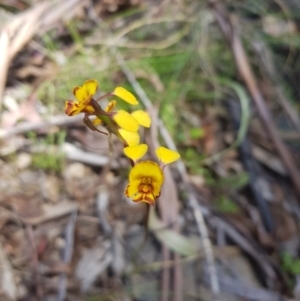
point(84, 98)
point(119, 122)
point(145, 181)
point(147, 177)
point(83, 95)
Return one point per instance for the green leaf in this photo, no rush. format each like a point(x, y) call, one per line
point(172, 239)
point(197, 133)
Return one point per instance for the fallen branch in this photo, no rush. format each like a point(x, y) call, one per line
point(25, 127)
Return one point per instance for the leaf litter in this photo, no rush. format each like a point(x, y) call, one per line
point(67, 230)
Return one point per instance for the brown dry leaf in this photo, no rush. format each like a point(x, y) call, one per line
point(51, 212)
point(285, 224)
point(27, 205)
point(81, 183)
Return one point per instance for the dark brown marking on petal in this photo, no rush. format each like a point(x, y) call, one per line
point(74, 90)
point(70, 108)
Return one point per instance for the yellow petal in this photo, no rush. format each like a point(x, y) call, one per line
point(110, 106)
point(86, 92)
point(150, 170)
point(90, 86)
point(145, 181)
point(132, 188)
point(166, 155)
point(80, 94)
point(135, 152)
point(72, 108)
point(125, 95)
point(145, 198)
point(142, 117)
point(126, 121)
point(131, 138)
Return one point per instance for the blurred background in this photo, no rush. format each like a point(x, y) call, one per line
point(221, 83)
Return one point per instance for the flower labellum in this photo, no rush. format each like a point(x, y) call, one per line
point(145, 181)
point(147, 177)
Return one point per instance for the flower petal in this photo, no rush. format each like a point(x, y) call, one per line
point(86, 92)
point(147, 169)
point(90, 86)
point(145, 181)
point(132, 191)
point(72, 108)
point(88, 109)
point(131, 138)
point(132, 188)
point(80, 94)
point(126, 121)
point(110, 106)
point(166, 155)
point(135, 152)
point(125, 95)
point(142, 117)
point(144, 197)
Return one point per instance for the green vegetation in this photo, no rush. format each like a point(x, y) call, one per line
point(48, 156)
point(291, 264)
point(226, 205)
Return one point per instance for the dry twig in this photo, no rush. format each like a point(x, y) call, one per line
point(67, 256)
point(24, 127)
point(35, 263)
